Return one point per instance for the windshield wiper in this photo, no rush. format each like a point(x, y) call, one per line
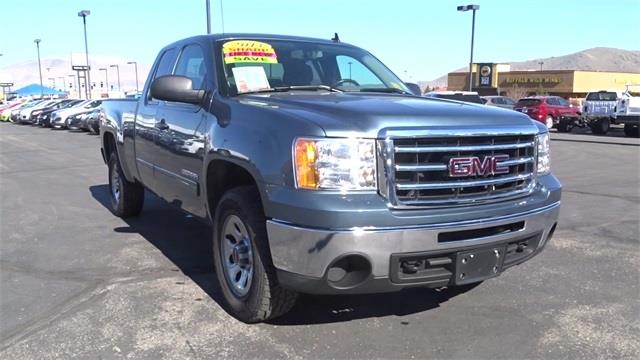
point(386, 90)
point(295, 87)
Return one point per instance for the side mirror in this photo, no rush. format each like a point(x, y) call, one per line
point(175, 88)
point(415, 89)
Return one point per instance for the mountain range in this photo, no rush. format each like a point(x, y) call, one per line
point(599, 58)
point(26, 73)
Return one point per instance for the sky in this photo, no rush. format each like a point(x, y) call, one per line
point(417, 39)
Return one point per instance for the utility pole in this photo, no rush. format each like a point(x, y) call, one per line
point(37, 41)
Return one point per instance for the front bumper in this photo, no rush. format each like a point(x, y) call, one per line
point(306, 258)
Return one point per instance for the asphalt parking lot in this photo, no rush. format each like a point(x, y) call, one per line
point(75, 281)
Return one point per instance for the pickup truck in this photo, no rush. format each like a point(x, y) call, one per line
point(320, 172)
point(598, 112)
point(627, 111)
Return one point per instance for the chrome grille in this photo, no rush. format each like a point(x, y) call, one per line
point(417, 169)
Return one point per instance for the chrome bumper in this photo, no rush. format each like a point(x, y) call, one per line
point(309, 252)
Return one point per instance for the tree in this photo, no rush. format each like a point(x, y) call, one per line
point(515, 92)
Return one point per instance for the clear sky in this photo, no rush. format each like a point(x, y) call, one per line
point(425, 38)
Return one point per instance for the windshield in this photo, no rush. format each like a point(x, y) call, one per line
point(258, 65)
point(602, 96)
point(528, 102)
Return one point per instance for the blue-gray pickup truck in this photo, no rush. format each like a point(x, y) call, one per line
point(322, 172)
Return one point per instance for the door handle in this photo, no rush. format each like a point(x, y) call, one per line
point(162, 125)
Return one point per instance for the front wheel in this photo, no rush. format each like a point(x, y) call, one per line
point(127, 198)
point(564, 126)
point(242, 259)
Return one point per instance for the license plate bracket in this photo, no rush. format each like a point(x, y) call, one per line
point(479, 264)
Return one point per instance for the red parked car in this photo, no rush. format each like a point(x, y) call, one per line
point(546, 109)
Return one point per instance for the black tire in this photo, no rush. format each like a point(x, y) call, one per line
point(564, 126)
point(631, 130)
point(600, 126)
point(264, 298)
point(129, 199)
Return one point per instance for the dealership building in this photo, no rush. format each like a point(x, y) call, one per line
point(498, 79)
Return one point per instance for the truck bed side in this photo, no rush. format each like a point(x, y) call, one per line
point(118, 126)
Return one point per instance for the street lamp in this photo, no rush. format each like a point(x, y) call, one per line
point(106, 76)
point(208, 9)
point(136, 66)
point(64, 85)
point(83, 14)
point(73, 76)
point(37, 41)
point(473, 30)
point(540, 63)
point(118, 72)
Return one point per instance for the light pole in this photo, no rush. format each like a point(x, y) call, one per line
point(117, 72)
point(83, 14)
point(208, 6)
point(37, 41)
point(540, 63)
point(106, 77)
point(350, 69)
point(473, 30)
point(136, 66)
point(64, 85)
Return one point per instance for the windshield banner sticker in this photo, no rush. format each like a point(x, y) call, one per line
point(247, 51)
point(250, 78)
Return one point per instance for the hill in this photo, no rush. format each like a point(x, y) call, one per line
point(599, 58)
point(26, 73)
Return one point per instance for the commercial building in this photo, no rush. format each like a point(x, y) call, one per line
point(565, 83)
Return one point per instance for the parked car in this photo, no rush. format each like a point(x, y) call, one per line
point(93, 121)
point(628, 111)
point(499, 101)
point(5, 112)
point(16, 115)
point(60, 119)
point(44, 119)
point(321, 180)
point(547, 109)
point(76, 121)
point(27, 116)
point(466, 96)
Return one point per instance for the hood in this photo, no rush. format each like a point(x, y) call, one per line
point(378, 115)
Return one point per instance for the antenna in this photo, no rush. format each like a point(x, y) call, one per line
point(336, 38)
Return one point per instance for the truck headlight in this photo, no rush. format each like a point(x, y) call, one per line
point(543, 159)
point(335, 164)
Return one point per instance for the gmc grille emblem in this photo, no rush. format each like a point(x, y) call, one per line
point(472, 165)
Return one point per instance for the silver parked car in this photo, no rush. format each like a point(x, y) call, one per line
point(499, 101)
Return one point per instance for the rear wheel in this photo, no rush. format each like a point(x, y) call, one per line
point(631, 130)
point(243, 261)
point(126, 197)
point(600, 126)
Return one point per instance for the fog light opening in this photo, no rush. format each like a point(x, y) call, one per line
point(349, 271)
